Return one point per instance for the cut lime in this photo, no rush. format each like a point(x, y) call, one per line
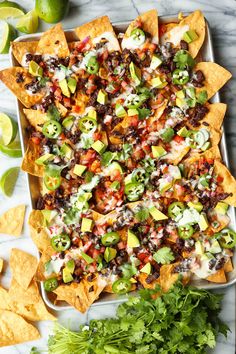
point(8, 127)
point(35, 69)
point(28, 23)
point(7, 34)
point(12, 150)
point(51, 11)
point(8, 180)
point(10, 9)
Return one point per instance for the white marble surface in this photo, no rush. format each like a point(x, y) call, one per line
point(221, 16)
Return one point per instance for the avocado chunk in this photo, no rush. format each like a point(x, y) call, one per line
point(164, 185)
point(86, 225)
point(157, 214)
point(66, 151)
point(42, 160)
point(203, 222)
point(180, 102)
point(215, 247)
point(135, 74)
point(158, 83)
point(64, 88)
point(198, 206)
point(109, 254)
point(70, 265)
point(132, 112)
point(199, 248)
point(221, 208)
point(146, 269)
point(133, 240)
point(87, 258)
point(72, 83)
point(158, 151)
point(92, 113)
point(120, 111)
point(190, 36)
point(68, 122)
point(155, 62)
point(99, 146)
point(48, 216)
point(102, 97)
point(180, 94)
point(79, 169)
point(183, 132)
point(67, 276)
point(113, 166)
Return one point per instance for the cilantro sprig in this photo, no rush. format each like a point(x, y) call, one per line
point(183, 60)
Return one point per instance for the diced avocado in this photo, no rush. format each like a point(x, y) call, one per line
point(203, 222)
point(64, 88)
point(164, 185)
point(114, 166)
point(87, 258)
point(79, 169)
point(221, 208)
point(109, 254)
point(92, 113)
point(68, 122)
point(99, 146)
point(35, 69)
point(66, 151)
point(48, 215)
point(157, 214)
point(158, 83)
point(183, 132)
point(198, 206)
point(120, 111)
point(72, 83)
point(190, 36)
point(180, 102)
point(180, 94)
point(86, 225)
point(135, 73)
point(207, 256)
point(215, 247)
point(133, 240)
point(102, 97)
point(42, 160)
point(132, 112)
point(115, 186)
point(133, 281)
point(199, 248)
point(147, 268)
point(155, 62)
point(158, 151)
point(174, 171)
point(70, 265)
point(67, 276)
point(167, 134)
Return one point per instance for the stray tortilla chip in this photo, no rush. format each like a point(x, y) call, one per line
point(229, 182)
point(149, 22)
point(228, 266)
point(14, 329)
point(23, 266)
point(215, 77)
point(1, 265)
point(95, 29)
point(45, 257)
point(37, 230)
point(28, 163)
point(30, 295)
point(19, 49)
point(12, 221)
point(218, 277)
point(9, 77)
point(36, 118)
point(54, 42)
point(81, 295)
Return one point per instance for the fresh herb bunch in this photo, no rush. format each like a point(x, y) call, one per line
point(184, 320)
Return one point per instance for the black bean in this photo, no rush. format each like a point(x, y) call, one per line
point(152, 277)
point(183, 45)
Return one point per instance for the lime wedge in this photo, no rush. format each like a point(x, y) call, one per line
point(7, 34)
point(8, 180)
point(28, 23)
point(8, 127)
point(12, 150)
point(35, 69)
point(10, 9)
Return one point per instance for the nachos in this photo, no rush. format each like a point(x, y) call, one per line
point(125, 142)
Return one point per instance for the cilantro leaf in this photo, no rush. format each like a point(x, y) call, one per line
point(143, 113)
point(108, 157)
point(164, 255)
point(142, 214)
point(183, 60)
point(202, 97)
point(53, 112)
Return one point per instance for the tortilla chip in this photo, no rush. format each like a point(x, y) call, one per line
point(228, 266)
point(158, 113)
point(218, 277)
point(37, 231)
point(167, 277)
point(176, 153)
point(215, 77)
point(223, 220)
point(1, 265)
point(62, 110)
point(23, 266)
point(45, 257)
point(12, 221)
point(36, 118)
point(149, 22)
point(9, 77)
point(28, 163)
point(214, 118)
point(81, 295)
point(24, 296)
point(215, 135)
point(229, 182)
point(19, 49)
point(95, 29)
point(212, 153)
point(14, 329)
point(142, 279)
point(54, 42)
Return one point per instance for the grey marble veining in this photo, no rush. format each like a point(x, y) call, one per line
point(221, 17)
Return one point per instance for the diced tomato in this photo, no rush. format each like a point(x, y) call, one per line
point(178, 139)
point(142, 255)
point(116, 175)
point(121, 245)
point(36, 140)
point(219, 179)
point(62, 136)
point(67, 102)
point(77, 109)
point(95, 166)
point(138, 154)
point(87, 246)
point(162, 30)
point(124, 84)
point(97, 136)
point(134, 121)
point(58, 94)
point(88, 157)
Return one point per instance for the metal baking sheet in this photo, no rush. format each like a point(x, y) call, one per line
point(207, 54)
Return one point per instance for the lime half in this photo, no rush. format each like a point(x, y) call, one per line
point(12, 150)
point(10, 9)
point(8, 127)
point(7, 34)
point(8, 180)
point(28, 23)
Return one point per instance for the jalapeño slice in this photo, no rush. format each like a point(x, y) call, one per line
point(185, 231)
point(134, 191)
point(61, 242)
point(50, 284)
point(175, 209)
point(110, 238)
point(227, 238)
point(92, 66)
point(121, 286)
point(52, 129)
point(52, 178)
point(180, 77)
point(87, 124)
point(138, 36)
